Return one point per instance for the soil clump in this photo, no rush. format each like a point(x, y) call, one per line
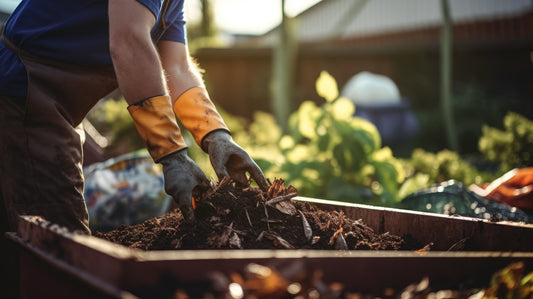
point(228, 216)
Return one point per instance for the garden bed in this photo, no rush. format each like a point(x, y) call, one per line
point(449, 253)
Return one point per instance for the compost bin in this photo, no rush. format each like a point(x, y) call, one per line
point(54, 262)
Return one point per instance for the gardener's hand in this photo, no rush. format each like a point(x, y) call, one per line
point(182, 175)
point(230, 160)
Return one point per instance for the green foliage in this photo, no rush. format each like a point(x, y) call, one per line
point(424, 169)
point(510, 283)
point(328, 153)
point(511, 147)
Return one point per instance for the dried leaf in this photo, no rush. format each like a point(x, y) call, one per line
point(286, 208)
point(280, 198)
point(260, 237)
point(278, 241)
point(235, 241)
point(340, 243)
point(308, 232)
point(248, 217)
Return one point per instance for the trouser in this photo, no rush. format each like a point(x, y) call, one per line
point(40, 174)
point(40, 166)
point(9, 264)
point(40, 148)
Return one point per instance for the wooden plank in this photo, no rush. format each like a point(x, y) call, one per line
point(97, 256)
point(44, 275)
point(142, 272)
point(442, 230)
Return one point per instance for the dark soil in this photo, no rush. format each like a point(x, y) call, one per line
point(231, 217)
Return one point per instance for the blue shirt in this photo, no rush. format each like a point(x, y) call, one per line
point(72, 31)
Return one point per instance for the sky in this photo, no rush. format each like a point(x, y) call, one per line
point(234, 16)
point(8, 5)
point(248, 16)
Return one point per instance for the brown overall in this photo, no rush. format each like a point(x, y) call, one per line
point(41, 150)
point(40, 147)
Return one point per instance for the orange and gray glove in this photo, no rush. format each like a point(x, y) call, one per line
point(230, 160)
point(156, 124)
point(198, 114)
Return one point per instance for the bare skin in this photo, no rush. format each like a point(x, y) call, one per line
point(135, 58)
point(181, 72)
point(145, 70)
point(153, 67)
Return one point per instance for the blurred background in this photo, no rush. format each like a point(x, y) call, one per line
point(491, 67)
point(440, 90)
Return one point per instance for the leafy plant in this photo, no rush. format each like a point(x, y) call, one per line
point(424, 169)
point(329, 153)
point(511, 283)
point(511, 147)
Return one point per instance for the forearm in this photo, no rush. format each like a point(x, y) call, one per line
point(190, 99)
point(180, 71)
point(138, 71)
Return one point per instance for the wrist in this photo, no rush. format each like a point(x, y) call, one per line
point(178, 156)
point(198, 114)
point(213, 137)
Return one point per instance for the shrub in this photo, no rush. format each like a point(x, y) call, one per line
point(328, 153)
point(511, 147)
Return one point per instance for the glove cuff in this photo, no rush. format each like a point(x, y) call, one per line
point(157, 126)
point(198, 114)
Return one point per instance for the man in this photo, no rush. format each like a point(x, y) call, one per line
point(57, 59)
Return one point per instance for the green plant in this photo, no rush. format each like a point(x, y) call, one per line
point(424, 169)
point(511, 147)
point(329, 153)
point(510, 283)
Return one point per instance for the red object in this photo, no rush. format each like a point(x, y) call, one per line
point(514, 188)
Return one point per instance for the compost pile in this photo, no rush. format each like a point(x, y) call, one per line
point(228, 216)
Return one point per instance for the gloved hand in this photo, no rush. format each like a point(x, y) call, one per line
point(156, 124)
point(230, 160)
point(198, 114)
point(182, 176)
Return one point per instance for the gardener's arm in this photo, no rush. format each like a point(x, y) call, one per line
point(140, 77)
point(135, 58)
point(197, 113)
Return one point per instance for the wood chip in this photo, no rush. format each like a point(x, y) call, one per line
point(280, 198)
point(308, 232)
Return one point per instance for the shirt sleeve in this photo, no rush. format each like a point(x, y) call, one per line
point(175, 21)
point(153, 5)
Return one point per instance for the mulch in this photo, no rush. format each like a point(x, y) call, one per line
point(232, 217)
